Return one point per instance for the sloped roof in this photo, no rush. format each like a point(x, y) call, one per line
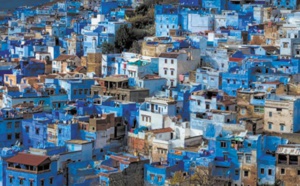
point(29, 159)
point(78, 69)
point(289, 149)
point(169, 55)
point(270, 48)
point(64, 57)
point(163, 130)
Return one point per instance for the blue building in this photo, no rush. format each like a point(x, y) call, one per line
point(29, 169)
point(34, 131)
point(11, 127)
point(288, 4)
point(5, 154)
point(235, 79)
point(166, 18)
point(5, 69)
point(157, 173)
point(76, 88)
point(190, 2)
point(83, 173)
point(61, 131)
point(266, 160)
point(127, 110)
point(27, 95)
point(208, 78)
point(32, 67)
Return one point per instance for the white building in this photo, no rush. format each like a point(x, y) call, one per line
point(200, 23)
point(154, 111)
point(173, 64)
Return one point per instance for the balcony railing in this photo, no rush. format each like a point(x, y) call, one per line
point(257, 102)
point(293, 162)
point(222, 162)
point(282, 161)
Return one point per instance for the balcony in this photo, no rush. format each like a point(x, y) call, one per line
point(222, 162)
point(260, 102)
point(293, 160)
point(282, 159)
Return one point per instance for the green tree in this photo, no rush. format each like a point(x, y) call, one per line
point(141, 10)
point(135, 48)
point(177, 178)
point(107, 48)
point(124, 38)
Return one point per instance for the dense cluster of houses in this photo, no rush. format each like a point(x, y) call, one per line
point(215, 93)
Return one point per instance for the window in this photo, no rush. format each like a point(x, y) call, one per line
point(41, 102)
point(75, 91)
point(282, 171)
point(159, 178)
point(9, 136)
point(270, 125)
point(21, 181)
point(258, 109)
point(17, 135)
point(152, 177)
point(246, 173)
point(270, 172)
point(172, 83)
point(240, 157)
point(279, 109)
point(298, 172)
point(223, 144)
point(17, 124)
point(10, 179)
point(51, 181)
point(166, 61)
point(166, 72)
point(243, 111)
point(285, 44)
point(262, 171)
point(37, 131)
point(172, 61)
point(248, 158)
point(42, 182)
point(8, 125)
point(59, 131)
point(172, 72)
point(236, 171)
point(282, 127)
point(270, 114)
point(27, 129)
